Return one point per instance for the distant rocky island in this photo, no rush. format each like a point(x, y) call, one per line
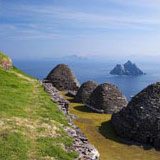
point(128, 68)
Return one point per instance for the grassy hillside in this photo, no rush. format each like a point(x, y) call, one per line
point(31, 127)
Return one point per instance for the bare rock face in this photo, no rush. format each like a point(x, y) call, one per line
point(128, 68)
point(85, 91)
point(107, 98)
point(140, 120)
point(118, 70)
point(62, 78)
point(5, 61)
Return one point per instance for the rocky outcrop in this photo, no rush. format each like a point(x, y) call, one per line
point(127, 69)
point(63, 78)
point(5, 61)
point(118, 70)
point(107, 98)
point(85, 91)
point(81, 144)
point(140, 120)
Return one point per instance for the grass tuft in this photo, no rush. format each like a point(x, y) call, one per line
point(13, 146)
point(54, 148)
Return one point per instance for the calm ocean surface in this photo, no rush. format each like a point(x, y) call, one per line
point(97, 71)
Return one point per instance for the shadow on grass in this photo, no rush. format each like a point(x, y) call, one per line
point(80, 107)
point(72, 100)
point(108, 132)
point(83, 108)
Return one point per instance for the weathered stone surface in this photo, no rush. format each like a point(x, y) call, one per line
point(128, 68)
point(140, 120)
point(63, 78)
point(5, 61)
point(85, 91)
point(107, 98)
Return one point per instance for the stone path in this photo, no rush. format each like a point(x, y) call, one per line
point(81, 144)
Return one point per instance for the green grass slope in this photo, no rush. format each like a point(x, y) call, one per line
point(31, 127)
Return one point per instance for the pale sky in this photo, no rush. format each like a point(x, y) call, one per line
point(57, 28)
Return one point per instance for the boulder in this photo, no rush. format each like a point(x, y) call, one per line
point(85, 91)
point(63, 78)
point(128, 68)
point(140, 120)
point(107, 98)
point(5, 61)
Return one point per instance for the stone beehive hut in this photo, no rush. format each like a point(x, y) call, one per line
point(107, 98)
point(63, 78)
point(140, 120)
point(85, 91)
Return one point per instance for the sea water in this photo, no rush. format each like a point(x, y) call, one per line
point(97, 71)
